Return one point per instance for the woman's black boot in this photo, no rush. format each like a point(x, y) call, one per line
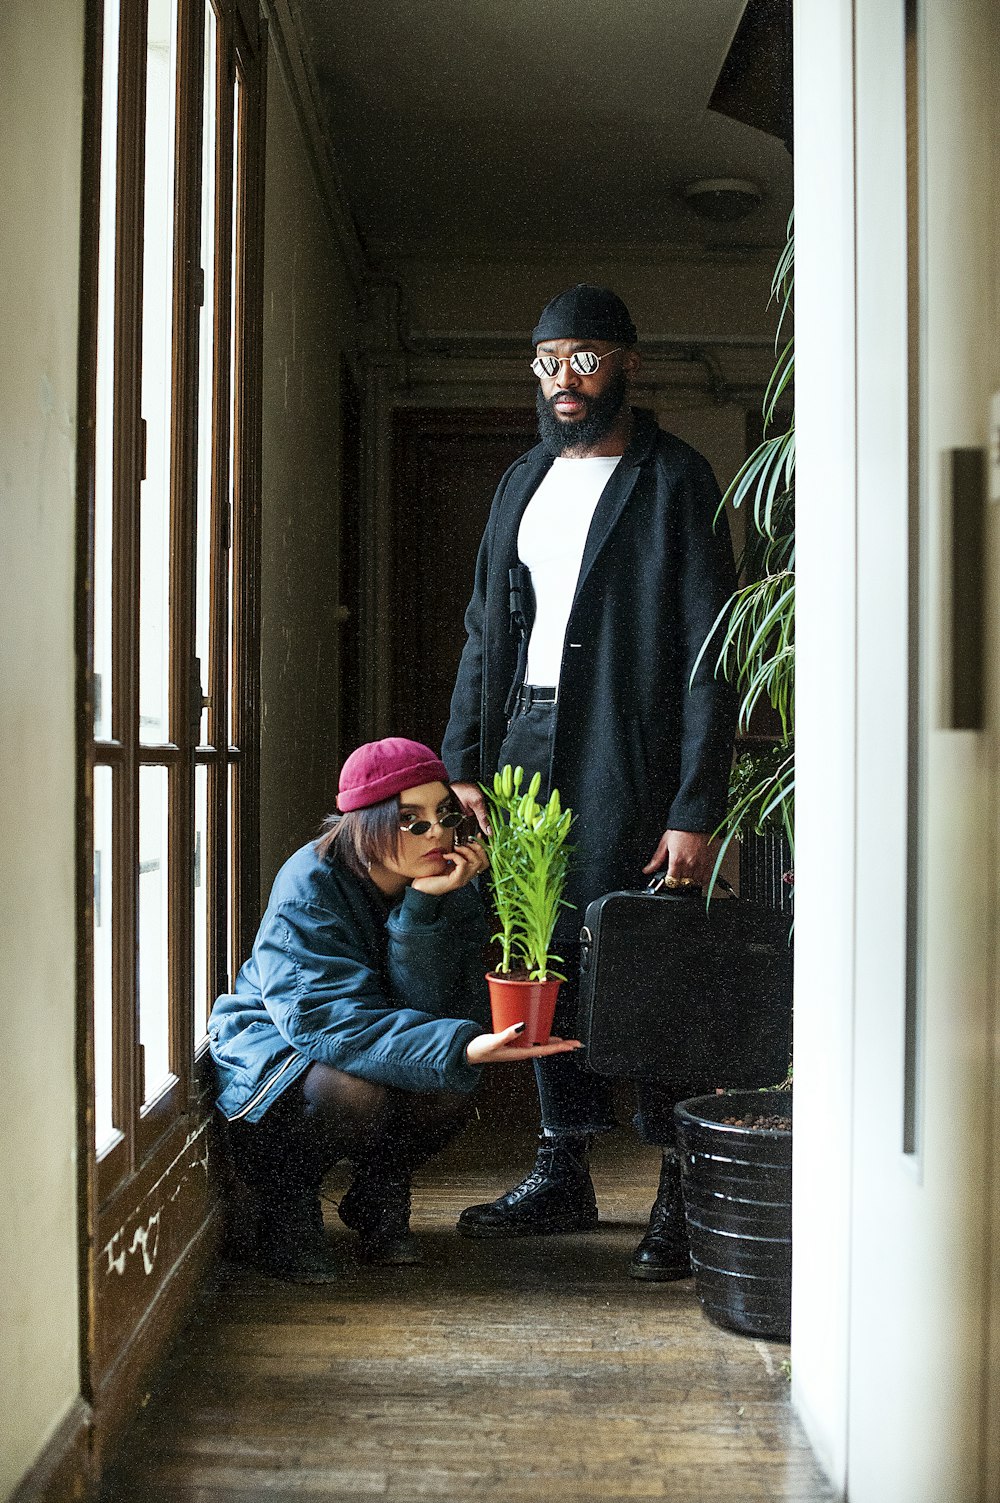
point(663, 1252)
point(377, 1207)
point(557, 1196)
point(377, 1204)
point(291, 1243)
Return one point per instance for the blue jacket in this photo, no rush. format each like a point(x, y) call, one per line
point(336, 974)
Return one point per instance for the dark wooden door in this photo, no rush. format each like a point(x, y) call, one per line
point(446, 465)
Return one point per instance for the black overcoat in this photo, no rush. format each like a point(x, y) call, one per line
point(637, 750)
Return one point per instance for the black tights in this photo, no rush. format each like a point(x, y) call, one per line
point(329, 1115)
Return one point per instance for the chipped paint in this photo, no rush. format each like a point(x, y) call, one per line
point(145, 1238)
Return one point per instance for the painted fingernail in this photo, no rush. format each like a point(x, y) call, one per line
point(520, 1027)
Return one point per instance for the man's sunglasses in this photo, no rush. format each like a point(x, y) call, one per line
point(450, 820)
point(584, 362)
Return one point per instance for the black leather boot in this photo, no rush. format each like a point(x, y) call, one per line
point(290, 1242)
point(377, 1207)
point(663, 1252)
point(557, 1196)
point(377, 1204)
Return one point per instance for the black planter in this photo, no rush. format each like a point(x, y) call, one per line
point(738, 1203)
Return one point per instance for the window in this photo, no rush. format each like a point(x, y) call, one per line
point(171, 260)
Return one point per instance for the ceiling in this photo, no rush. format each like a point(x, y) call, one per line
point(480, 123)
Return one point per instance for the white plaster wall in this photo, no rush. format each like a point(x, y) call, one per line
point(309, 317)
point(825, 721)
point(41, 93)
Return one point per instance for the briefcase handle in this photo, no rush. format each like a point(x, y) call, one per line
point(658, 883)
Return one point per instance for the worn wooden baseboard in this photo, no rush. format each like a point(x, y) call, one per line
point(63, 1472)
point(126, 1385)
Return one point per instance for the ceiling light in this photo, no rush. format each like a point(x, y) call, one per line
point(722, 198)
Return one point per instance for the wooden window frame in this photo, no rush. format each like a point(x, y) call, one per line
point(125, 1320)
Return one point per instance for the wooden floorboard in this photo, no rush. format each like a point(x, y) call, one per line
point(532, 1371)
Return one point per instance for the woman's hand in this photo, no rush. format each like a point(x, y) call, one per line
point(466, 862)
point(501, 1048)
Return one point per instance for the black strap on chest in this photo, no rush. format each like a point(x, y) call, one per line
point(519, 580)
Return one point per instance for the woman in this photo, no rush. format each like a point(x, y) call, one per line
point(358, 1026)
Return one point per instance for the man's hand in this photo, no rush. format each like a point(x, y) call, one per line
point(470, 796)
point(503, 1048)
point(467, 861)
point(687, 854)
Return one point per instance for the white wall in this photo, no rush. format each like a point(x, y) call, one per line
point(825, 715)
point(41, 94)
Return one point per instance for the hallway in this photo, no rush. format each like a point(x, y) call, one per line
point(274, 267)
point(524, 1371)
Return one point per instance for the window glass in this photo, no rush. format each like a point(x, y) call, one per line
point(202, 907)
point(101, 595)
point(154, 967)
point(104, 1123)
point(206, 363)
point(157, 340)
point(231, 888)
point(234, 407)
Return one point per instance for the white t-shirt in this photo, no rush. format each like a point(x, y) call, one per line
point(550, 542)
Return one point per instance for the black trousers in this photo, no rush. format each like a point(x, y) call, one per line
point(573, 1099)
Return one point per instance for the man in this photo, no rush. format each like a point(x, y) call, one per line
point(602, 571)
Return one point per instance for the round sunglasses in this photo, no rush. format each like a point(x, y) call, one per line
point(584, 362)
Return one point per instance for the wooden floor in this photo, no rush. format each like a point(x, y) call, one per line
point(529, 1371)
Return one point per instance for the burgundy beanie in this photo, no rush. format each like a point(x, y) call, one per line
point(379, 769)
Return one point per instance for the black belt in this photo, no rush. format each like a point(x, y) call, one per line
point(534, 694)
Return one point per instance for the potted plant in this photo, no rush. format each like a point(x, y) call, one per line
point(735, 1147)
point(529, 859)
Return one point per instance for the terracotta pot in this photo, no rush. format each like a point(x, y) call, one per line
point(521, 1001)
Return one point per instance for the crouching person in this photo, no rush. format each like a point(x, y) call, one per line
point(357, 1028)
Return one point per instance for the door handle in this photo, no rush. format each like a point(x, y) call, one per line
point(965, 484)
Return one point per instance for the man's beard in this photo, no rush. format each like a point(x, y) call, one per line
point(558, 434)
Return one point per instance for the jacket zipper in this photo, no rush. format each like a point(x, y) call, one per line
point(265, 1088)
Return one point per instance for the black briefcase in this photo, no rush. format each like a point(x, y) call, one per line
point(674, 988)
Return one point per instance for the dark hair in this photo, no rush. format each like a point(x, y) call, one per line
point(362, 837)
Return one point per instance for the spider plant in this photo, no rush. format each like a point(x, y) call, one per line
point(756, 647)
point(529, 860)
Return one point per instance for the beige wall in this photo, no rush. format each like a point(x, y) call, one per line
point(41, 92)
point(309, 318)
